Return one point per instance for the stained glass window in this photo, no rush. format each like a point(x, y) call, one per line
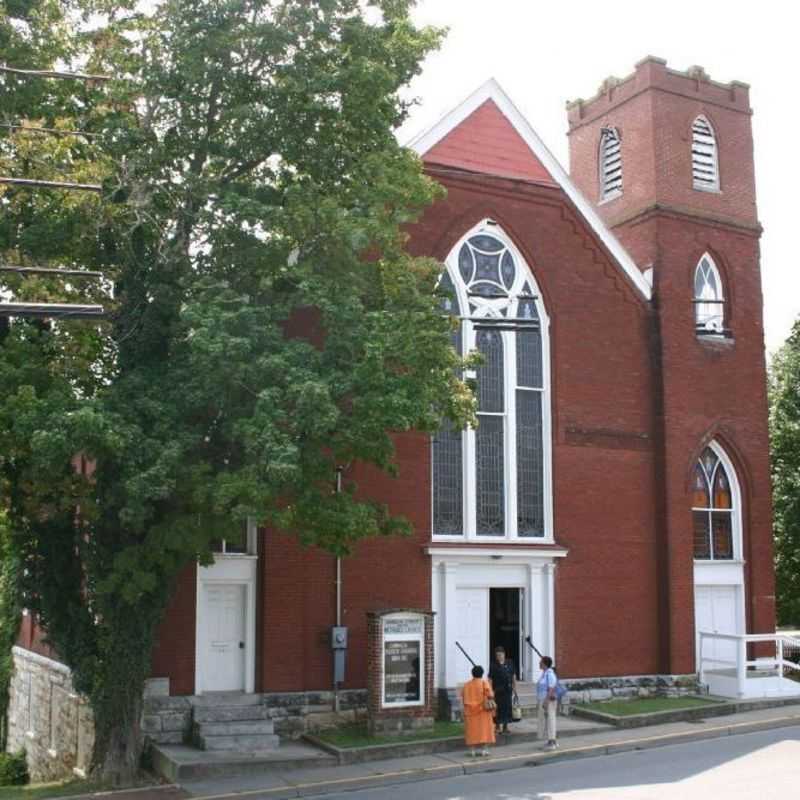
point(448, 446)
point(489, 477)
point(448, 482)
point(712, 509)
point(530, 464)
point(472, 499)
point(490, 373)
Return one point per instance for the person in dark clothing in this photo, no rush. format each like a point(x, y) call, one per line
point(504, 684)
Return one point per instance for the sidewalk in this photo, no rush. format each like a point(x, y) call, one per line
point(327, 780)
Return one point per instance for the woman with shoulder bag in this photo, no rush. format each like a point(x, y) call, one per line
point(479, 707)
point(547, 698)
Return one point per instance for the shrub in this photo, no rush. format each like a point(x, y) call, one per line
point(13, 769)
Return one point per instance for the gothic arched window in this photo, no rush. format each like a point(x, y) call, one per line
point(494, 481)
point(715, 507)
point(610, 164)
point(705, 164)
point(709, 299)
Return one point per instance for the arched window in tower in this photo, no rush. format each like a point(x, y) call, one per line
point(610, 164)
point(494, 481)
point(709, 299)
point(715, 507)
point(705, 165)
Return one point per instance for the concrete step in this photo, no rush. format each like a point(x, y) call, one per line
point(237, 728)
point(249, 743)
point(234, 713)
point(177, 763)
point(226, 699)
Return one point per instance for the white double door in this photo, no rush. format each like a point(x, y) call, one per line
point(716, 610)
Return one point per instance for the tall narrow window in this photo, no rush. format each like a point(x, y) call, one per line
point(610, 164)
point(493, 481)
point(448, 447)
point(714, 510)
point(705, 165)
point(709, 300)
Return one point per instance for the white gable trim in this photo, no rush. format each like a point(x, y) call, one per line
point(491, 90)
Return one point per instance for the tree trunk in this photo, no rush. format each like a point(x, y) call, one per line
point(118, 741)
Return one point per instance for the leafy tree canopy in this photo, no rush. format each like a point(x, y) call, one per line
point(265, 324)
point(784, 423)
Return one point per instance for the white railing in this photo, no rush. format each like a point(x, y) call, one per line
point(723, 662)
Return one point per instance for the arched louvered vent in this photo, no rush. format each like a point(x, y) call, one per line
point(610, 164)
point(705, 167)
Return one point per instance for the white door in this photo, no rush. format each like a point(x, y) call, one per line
point(225, 637)
point(715, 612)
point(472, 629)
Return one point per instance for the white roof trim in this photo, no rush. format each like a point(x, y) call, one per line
point(491, 90)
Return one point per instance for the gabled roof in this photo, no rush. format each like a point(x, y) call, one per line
point(487, 133)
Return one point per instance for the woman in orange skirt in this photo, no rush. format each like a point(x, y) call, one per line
point(476, 695)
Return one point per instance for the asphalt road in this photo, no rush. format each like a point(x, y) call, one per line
point(754, 766)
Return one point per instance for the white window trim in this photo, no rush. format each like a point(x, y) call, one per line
point(721, 297)
point(509, 429)
point(736, 511)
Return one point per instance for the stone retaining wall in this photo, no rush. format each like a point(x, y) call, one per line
point(47, 718)
point(590, 690)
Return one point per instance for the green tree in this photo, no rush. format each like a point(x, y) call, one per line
point(266, 324)
point(784, 425)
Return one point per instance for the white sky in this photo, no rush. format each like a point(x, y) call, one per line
point(545, 53)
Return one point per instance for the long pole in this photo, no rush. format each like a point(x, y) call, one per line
point(336, 699)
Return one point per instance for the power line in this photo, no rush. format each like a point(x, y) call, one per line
point(49, 73)
point(56, 272)
point(86, 187)
point(37, 129)
point(51, 310)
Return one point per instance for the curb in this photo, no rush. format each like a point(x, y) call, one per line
point(500, 763)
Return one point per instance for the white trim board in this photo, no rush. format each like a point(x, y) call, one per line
point(491, 90)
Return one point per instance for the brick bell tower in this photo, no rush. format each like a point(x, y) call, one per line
point(667, 159)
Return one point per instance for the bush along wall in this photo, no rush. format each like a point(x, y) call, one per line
point(13, 769)
point(10, 611)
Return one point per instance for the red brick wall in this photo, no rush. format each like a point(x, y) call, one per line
point(707, 390)
point(299, 590)
point(174, 652)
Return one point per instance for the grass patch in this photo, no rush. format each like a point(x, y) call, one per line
point(34, 791)
point(648, 705)
point(355, 735)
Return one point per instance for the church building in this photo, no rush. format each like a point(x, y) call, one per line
point(614, 501)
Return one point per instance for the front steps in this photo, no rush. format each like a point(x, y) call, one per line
point(232, 723)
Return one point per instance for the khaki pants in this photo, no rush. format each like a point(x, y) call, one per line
point(546, 715)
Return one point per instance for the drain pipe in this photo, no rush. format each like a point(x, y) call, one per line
point(336, 702)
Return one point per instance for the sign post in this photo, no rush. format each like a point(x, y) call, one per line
point(400, 671)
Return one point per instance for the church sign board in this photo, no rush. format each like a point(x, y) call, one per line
point(400, 670)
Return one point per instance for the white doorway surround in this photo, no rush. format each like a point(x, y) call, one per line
point(225, 641)
point(462, 578)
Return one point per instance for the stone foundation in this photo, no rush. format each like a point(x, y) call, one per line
point(591, 690)
point(48, 719)
point(168, 720)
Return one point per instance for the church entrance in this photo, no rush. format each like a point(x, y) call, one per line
point(506, 624)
